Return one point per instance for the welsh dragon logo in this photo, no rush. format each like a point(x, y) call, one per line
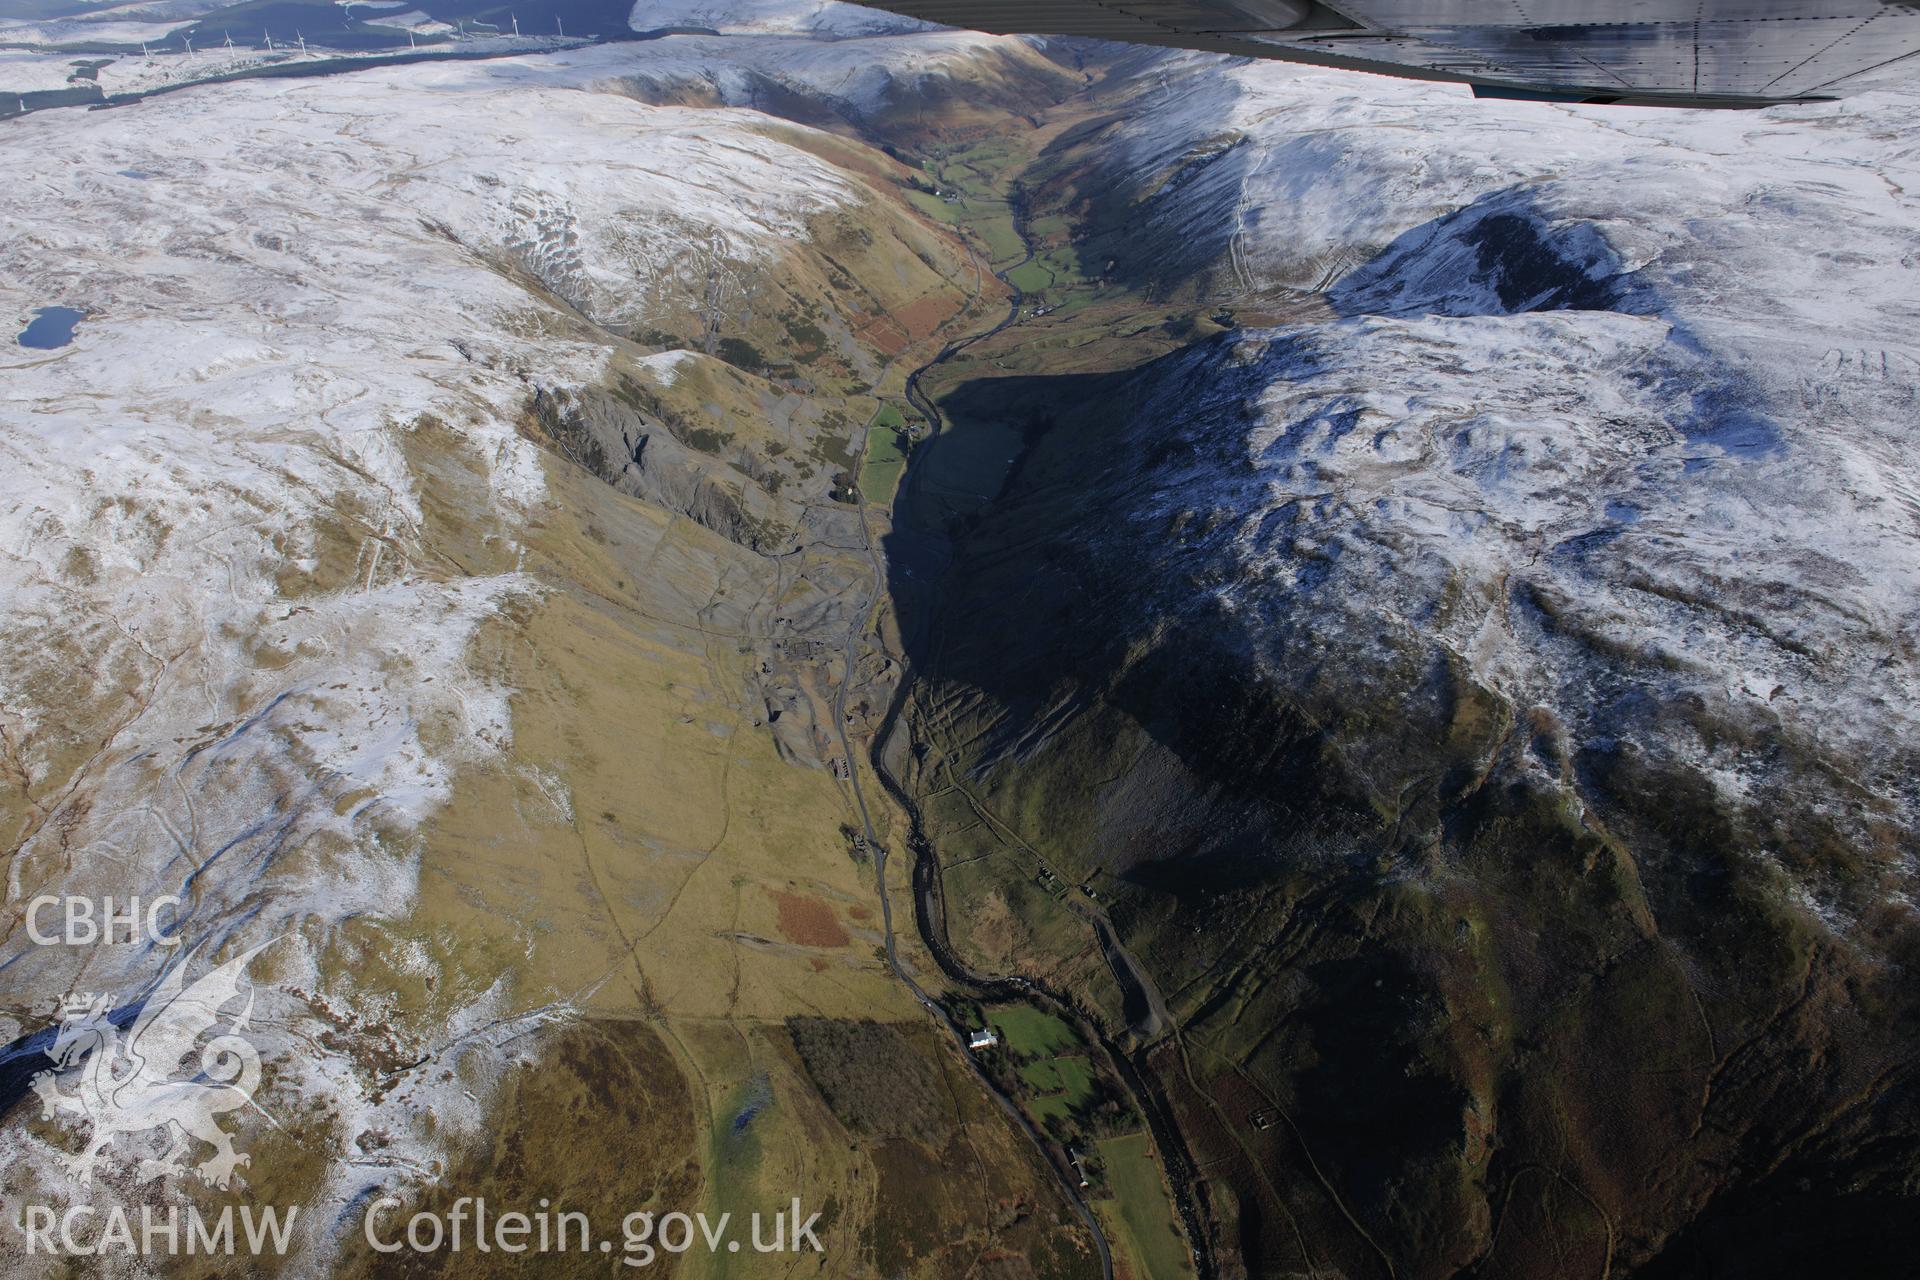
point(141, 1083)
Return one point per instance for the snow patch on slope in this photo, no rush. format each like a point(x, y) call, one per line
point(235, 663)
point(772, 17)
point(866, 73)
point(1616, 408)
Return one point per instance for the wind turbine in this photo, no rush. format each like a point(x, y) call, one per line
point(229, 41)
point(516, 23)
point(410, 41)
point(303, 41)
point(188, 41)
point(269, 36)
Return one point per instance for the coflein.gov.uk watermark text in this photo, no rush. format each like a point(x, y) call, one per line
point(469, 1224)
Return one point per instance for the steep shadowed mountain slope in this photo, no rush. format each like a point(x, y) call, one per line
point(1483, 706)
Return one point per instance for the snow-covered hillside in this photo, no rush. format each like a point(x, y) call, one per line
point(862, 76)
point(283, 278)
point(763, 17)
point(234, 663)
point(1616, 407)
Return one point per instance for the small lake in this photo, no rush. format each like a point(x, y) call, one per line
point(51, 327)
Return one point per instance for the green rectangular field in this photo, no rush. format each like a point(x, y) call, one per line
point(1031, 277)
point(886, 458)
point(1045, 1109)
point(1031, 1032)
point(878, 480)
point(1071, 1078)
point(994, 225)
point(1049, 225)
point(934, 207)
point(1144, 1211)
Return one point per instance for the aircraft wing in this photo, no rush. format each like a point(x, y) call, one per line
point(1729, 53)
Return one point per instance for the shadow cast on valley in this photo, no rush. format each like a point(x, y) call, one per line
point(1407, 940)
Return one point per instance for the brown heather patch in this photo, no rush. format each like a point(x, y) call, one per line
point(923, 317)
point(809, 921)
point(882, 332)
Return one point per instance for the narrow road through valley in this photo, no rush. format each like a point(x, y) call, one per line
point(850, 653)
point(1131, 1068)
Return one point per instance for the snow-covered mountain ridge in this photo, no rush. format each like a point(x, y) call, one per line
point(1616, 409)
point(264, 511)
